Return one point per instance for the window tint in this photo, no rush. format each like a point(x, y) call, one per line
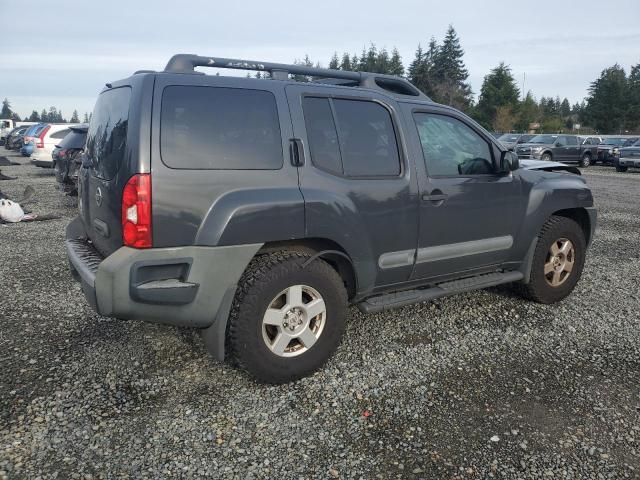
point(60, 134)
point(568, 140)
point(75, 139)
point(107, 136)
point(322, 135)
point(220, 128)
point(367, 139)
point(452, 148)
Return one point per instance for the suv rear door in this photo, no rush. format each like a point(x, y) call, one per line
point(102, 181)
point(469, 215)
point(358, 188)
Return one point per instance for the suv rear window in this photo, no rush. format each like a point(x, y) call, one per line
point(218, 128)
point(107, 136)
point(74, 139)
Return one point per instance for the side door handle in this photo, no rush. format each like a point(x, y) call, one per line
point(435, 196)
point(296, 152)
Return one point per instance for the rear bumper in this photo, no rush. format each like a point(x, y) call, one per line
point(185, 286)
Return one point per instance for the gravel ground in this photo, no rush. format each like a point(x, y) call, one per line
point(474, 386)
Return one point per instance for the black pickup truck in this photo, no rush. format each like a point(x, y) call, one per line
point(559, 148)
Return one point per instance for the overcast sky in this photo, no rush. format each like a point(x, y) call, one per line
point(61, 53)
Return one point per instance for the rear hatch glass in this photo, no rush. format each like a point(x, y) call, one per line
point(74, 139)
point(107, 136)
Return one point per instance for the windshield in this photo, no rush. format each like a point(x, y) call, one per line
point(546, 139)
point(508, 137)
point(629, 142)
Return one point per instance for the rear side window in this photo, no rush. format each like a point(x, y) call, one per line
point(107, 136)
point(353, 138)
point(220, 128)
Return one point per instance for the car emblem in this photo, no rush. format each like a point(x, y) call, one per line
point(99, 196)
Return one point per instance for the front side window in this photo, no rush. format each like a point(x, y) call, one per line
point(452, 148)
point(218, 128)
point(353, 138)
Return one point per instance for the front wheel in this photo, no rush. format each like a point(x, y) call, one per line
point(558, 261)
point(287, 318)
point(585, 161)
point(546, 157)
point(619, 168)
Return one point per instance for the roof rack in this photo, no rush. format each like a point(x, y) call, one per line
point(186, 63)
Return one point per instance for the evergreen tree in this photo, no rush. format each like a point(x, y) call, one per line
point(86, 118)
point(528, 113)
point(345, 64)
point(633, 111)
point(421, 70)
point(335, 62)
point(44, 117)
point(565, 108)
point(74, 117)
point(6, 111)
point(395, 63)
point(499, 90)
point(34, 117)
point(607, 104)
point(451, 74)
point(382, 62)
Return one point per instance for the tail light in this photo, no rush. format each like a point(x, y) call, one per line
point(40, 138)
point(136, 211)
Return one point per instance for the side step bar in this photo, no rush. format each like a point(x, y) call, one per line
point(400, 299)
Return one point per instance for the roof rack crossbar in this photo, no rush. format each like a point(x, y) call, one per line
point(186, 63)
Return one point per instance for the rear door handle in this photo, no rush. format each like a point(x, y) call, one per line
point(296, 152)
point(435, 197)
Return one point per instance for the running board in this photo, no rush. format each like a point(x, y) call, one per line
point(389, 301)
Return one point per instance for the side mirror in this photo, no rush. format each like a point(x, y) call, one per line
point(509, 162)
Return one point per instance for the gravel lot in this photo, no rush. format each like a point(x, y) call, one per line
point(474, 386)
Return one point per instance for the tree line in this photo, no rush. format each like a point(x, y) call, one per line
point(612, 104)
point(53, 115)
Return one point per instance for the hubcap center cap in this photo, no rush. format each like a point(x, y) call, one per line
point(293, 320)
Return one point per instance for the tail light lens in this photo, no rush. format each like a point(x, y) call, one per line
point(40, 138)
point(136, 212)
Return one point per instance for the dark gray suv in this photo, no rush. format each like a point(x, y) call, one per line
point(258, 210)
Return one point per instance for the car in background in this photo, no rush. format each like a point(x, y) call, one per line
point(609, 149)
point(559, 148)
point(14, 138)
point(629, 157)
point(67, 157)
point(28, 142)
point(510, 140)
point(45, 142)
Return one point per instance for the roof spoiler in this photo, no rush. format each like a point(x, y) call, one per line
point(186, 63)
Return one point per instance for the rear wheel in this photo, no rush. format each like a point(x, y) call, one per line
point(287, 319)
point(557, 261)
point(585, 161)
point(546, 157)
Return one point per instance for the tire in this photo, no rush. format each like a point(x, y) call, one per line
point(541, 286)
point(620, 168)
point(585, 161)
point(546, 157)
point(270, 347)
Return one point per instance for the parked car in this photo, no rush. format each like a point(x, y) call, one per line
point(67, 158)
point(609, 149)
point(629, 157)
point(7, 125)
point(510, 140)
point(561, 148)
point(45, 142)
point(28, 142)
point(258, 210)
point(13, 140)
